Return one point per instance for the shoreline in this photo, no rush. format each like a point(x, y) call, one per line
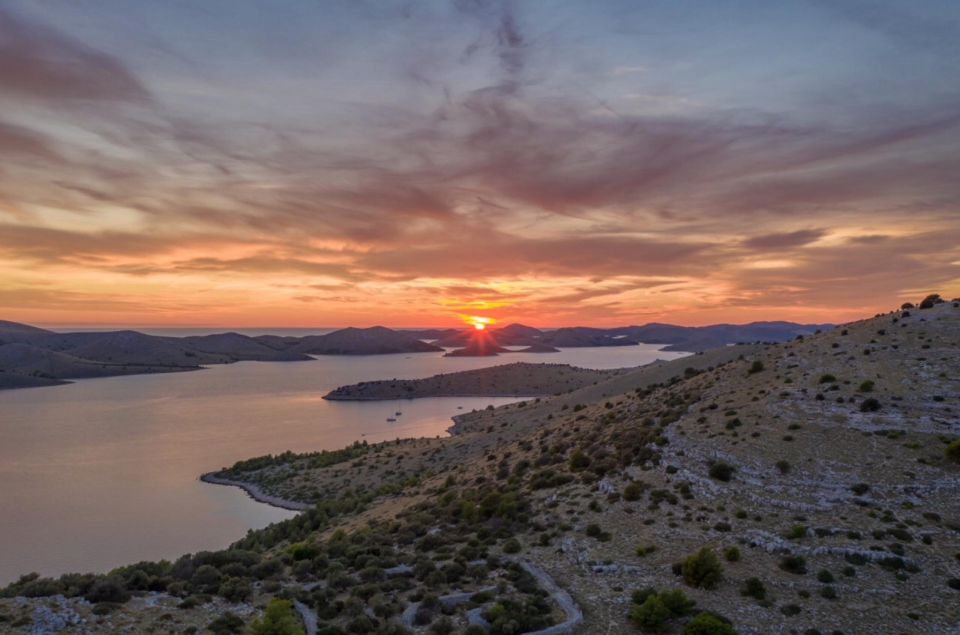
point(328, 397)
point(256, 493)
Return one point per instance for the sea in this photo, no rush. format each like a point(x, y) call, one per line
point(104, 472)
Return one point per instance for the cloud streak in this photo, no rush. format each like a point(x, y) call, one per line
point(484, 153)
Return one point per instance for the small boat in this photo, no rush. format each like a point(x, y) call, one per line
point(390, 419)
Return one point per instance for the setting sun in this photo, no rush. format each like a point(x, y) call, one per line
point(479, 323)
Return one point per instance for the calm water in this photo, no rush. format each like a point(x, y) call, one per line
point(104, 471)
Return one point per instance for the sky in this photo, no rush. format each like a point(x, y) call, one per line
point(357, 162)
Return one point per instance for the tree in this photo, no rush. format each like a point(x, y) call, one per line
point(278, 619)
point(708, 624)
point(702, 569)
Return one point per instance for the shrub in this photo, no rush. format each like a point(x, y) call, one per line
point(794, 564)
point(107, 590)
point(824, 576)
point(645, 550)
point(731, 554)
point(226, 624)
point(633, 491)
point(797, 532)
point(702, 569)
point(828, 593)
point(754, 588)
point(651, 616)
point(930, 300)
point(869, 405)
point(827, 379)
point(859, 489)
point(278, 619)
point(953, 451)
point(722, 471)
point(708, 624)
point(783, 466)
point(512, 546)
point(866, 386)
point(653, 611)
point(755, 367)
point(579, 460)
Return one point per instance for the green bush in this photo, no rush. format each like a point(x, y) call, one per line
point(731, 554)
point(794, 564)
point(722, 471)
point(866, 386)
point(226, 624)
point(278, 619)
point(827, 379)
point(579, 460)
point(633, 491)
point(869, 405)
point(953, 451)
point(653, 611)
point(702, 569)
point(756, 367)
point(708, 624)
point(754, 588)
point(651, 616)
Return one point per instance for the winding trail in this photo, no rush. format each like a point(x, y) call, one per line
point(560, 596)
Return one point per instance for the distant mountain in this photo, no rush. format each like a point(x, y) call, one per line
point(580, 336)
point(376, 340)
point(248, 348)
point(31, 356)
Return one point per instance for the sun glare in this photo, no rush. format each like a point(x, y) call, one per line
point(479, 323)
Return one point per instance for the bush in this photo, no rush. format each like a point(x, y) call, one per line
point(953, 451)
point(731, 554)
point(754, 588)
point(827, 379)
point(869, 405)
point(866, 386)
point(930, 300)
point(722, 471)
point(278, 619)
point(235, 590)
point(226, 624)
point(651, 616)
point(512, 546)
point(825, 576)
point(756, 367)
point(794, 564)
point(708, 624)
point(859, 489)
point(107, 590)
point(653, 611)
point(702, 569)
point(579, 461)
point(633, 491)
point(797, 532)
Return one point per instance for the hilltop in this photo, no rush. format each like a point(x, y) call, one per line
point(802, 487)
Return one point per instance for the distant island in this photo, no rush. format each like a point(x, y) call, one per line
point(34, 357)
point(519, 379)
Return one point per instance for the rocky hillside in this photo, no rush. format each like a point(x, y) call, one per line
point(805, 487)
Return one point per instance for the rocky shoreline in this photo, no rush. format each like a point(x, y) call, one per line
point(256, 493)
